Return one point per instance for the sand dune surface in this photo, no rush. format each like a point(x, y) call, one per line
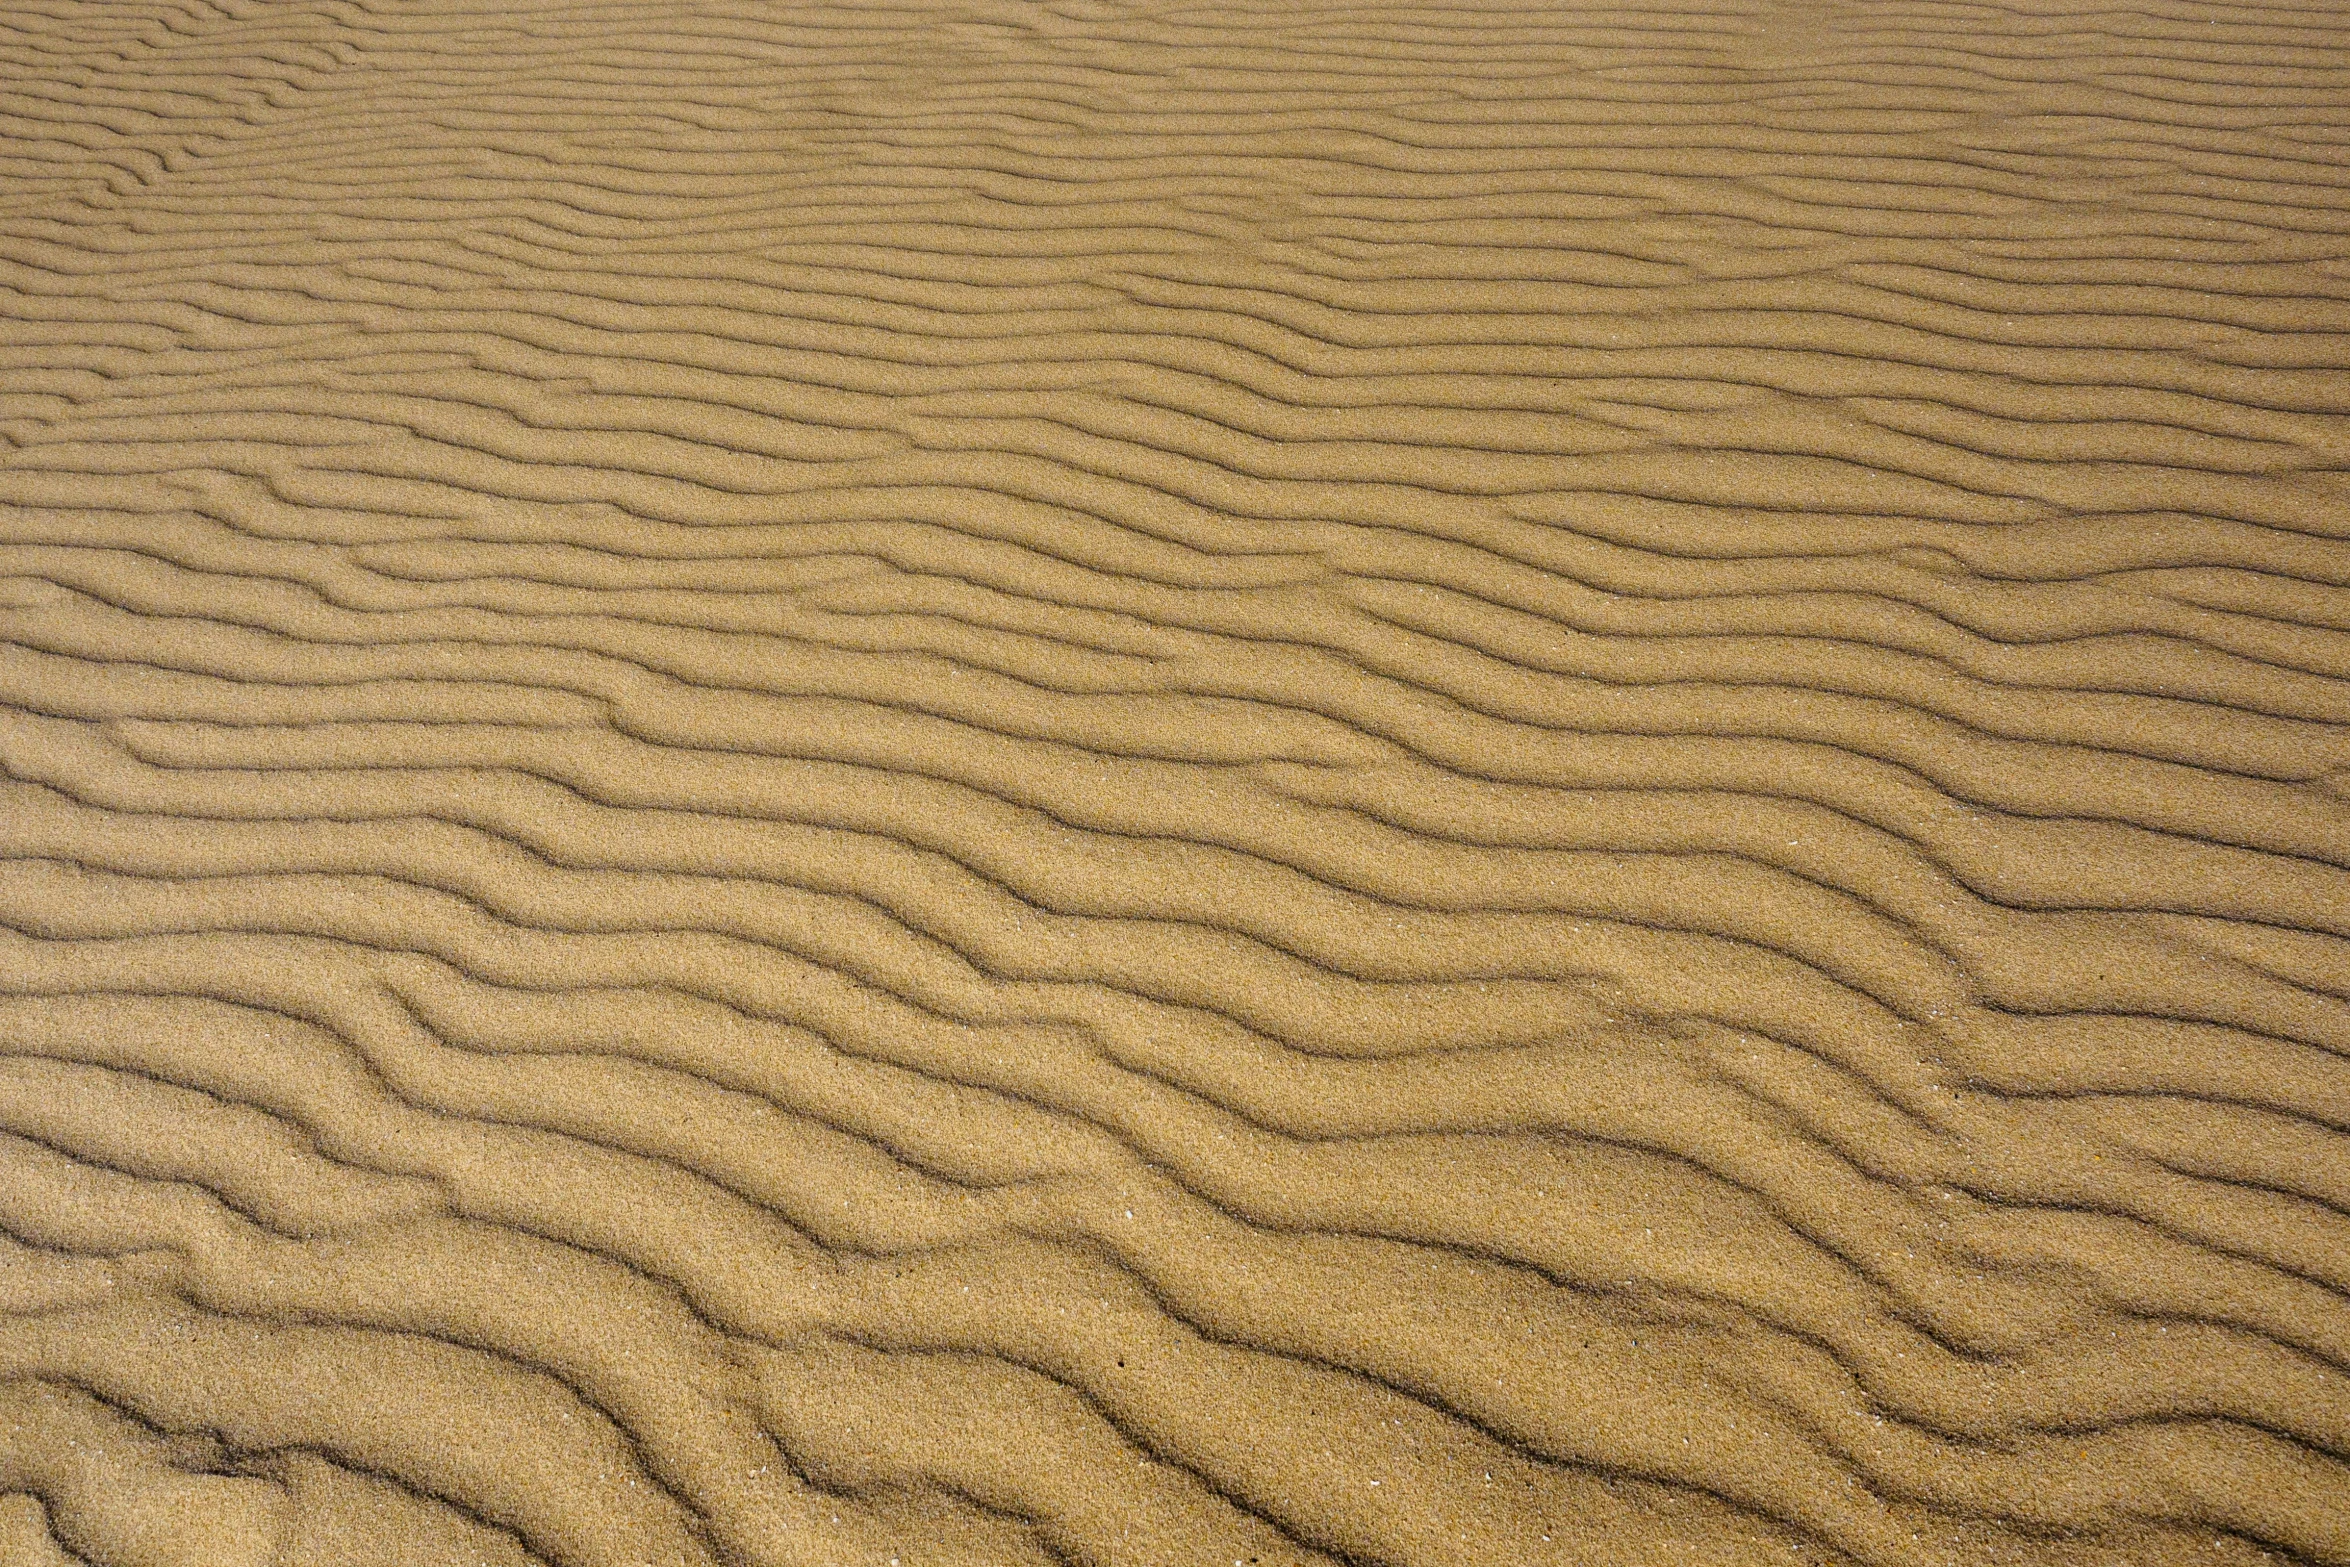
point(1123, 783)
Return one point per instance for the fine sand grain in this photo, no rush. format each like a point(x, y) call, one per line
point(1137, 784)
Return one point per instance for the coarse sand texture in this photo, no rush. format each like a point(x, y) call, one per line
point(1116, 783)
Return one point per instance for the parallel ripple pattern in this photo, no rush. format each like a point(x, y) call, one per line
point(1119, 782)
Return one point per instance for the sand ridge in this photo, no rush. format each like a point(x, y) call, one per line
point(1129, 783)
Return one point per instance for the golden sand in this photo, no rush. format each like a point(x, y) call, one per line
point(1145, 785)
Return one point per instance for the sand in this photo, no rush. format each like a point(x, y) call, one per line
point(1131, 783)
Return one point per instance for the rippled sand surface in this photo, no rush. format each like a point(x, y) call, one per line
point(1138, 783)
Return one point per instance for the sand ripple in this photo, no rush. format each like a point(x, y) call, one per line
point(1129, 784)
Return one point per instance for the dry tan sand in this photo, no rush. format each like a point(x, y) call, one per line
point(1136, 783)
